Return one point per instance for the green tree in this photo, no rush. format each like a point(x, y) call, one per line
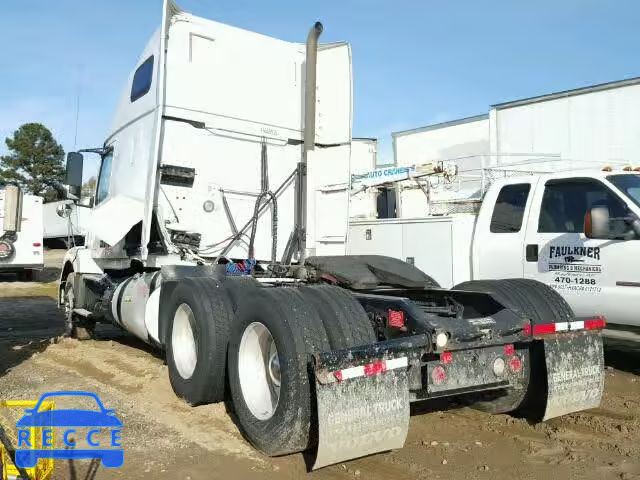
point(34, 162)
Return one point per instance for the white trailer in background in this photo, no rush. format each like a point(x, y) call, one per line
point(20, 233)
point(224, 144)
point(65, 223)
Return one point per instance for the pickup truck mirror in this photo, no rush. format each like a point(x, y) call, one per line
point(596, 223)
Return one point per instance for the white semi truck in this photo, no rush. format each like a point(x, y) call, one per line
point(575, 230)
point(218, 236)
point(20, 233)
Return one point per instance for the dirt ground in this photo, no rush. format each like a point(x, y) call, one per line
point(164, 438)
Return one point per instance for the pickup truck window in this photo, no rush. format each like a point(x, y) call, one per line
point(565, 203)
point(142, 79)
point(509, 209)
point(629, 184)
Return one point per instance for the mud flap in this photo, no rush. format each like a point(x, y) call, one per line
point(361, 414)
point(575, 373)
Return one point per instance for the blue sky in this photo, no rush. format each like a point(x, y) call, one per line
point(415, 62)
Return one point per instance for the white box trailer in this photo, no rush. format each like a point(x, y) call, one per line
point(20, 233)
point(224, 144)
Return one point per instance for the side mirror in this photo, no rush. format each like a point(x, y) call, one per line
point(596, 223)
point(75, 162)
point(63, 210)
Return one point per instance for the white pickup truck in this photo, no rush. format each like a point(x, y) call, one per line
point(20, 233)
point(576, 231)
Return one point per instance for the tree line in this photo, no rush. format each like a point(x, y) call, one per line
point(35, 162)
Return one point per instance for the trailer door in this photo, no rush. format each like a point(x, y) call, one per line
point(596, 277)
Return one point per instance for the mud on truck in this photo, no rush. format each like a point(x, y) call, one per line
point(218, 236)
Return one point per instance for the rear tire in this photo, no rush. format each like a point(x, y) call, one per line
point(530, 299)
point(200, 316)
point(345, 321)
point(286, 425)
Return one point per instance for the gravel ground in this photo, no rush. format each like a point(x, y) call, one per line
point(165, 438)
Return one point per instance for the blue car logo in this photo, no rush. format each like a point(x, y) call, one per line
point(27, 456)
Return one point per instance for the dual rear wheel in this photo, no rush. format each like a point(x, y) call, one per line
point(268, 336)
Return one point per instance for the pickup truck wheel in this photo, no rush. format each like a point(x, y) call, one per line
point(345, 321)
point(200, 315)
point(76, 326)
point(270, 377)
point(533, 300)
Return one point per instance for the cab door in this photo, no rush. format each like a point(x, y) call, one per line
point(499, 235)
point(593, 275)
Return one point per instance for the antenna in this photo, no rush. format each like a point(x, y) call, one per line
point(78, 91)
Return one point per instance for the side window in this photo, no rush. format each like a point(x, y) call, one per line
point(104, 178)
point(565, 203)
point(509, 209)
point(142, 79)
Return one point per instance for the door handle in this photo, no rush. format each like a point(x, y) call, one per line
point(531, 252)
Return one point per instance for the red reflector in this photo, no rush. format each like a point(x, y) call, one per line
point(439, 375)
point(338, 375)
point(395, 318)
point(595, 323)
point(446, 357)
point(4, 247)
point(515, 364)
point(509, 350)
point(526, 329)
point(544, 329)
point(374, 368)
point(37, 244)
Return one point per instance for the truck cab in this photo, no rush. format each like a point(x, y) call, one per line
point(534, 227)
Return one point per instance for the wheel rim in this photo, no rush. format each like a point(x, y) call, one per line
point(259, 371)
point(183, 343)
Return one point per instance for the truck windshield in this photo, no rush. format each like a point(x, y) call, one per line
point(628, 184)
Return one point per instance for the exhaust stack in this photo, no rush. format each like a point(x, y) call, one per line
point(298, 240)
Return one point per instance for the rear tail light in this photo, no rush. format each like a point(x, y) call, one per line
point(446, 357)
point(37, 244)
point(544, 329)
point(515, 364)
point(526, 328)
point(438, 375)
point(509, 349)
point(595, 323)
point(395, 318)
